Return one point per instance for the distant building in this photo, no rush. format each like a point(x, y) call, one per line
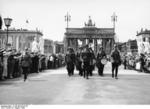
point(58, 47)
point(132, 47)
point(122, 47)
point(90, 34)
point(143, 41)
point(129, 47)
point(48, 46)
point(19, 38)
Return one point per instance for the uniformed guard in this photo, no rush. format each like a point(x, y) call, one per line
point(100, 65)
point(116, 61)
point(86, 62)
point(92, 61)
point(79, 62)
point(26, 63)
point(70, 61)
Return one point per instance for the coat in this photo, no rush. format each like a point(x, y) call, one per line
point(115, 55)
point(26, 61)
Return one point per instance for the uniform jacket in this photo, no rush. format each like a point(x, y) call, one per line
point(70, 58)
point(86, 56)
point(116, 57)
point(101, 55)
point(26, 61)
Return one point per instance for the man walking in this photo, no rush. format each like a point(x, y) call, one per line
point(101, 55)
point(70, 61)
point(86, 62)
point(79, 62)
point(26, 63)
point(116, 61)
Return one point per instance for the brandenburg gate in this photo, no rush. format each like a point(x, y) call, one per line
point(90, 34)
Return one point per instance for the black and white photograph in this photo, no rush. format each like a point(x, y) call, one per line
point(74, 52)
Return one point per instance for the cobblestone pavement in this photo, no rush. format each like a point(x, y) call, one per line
point(55, 87)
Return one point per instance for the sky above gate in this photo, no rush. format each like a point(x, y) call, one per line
point(48, 15)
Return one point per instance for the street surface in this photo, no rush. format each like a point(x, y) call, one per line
point(55, 87)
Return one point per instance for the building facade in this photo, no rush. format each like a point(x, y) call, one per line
point(77, 37)
point(122, 47)
point(129, 47)
point(143, 41)
point(19, 38)
point(132, 47)
point(58, 47)
point(48, 46)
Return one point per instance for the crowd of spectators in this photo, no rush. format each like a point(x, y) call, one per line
point(10, 63)
point(139, 62)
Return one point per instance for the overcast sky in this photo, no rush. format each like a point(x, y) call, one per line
point(48, 15)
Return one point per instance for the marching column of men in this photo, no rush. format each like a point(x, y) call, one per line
point(85, 61)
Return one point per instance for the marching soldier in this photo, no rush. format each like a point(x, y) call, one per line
point(86, 62)
point(79, 62)
point(70, 61)
point(26, 63)
point(101, 55)
point(116, 61)
point(92, 58)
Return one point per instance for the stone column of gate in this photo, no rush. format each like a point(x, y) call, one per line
point(103, 43)
point(66, 44)
point(72, 43)
point(84, 42)
point(76, 41)
point(95, 46)
point(111, 45)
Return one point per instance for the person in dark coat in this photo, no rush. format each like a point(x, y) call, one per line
point(79, 62)
point(35, 62)
point(125, 62)
point(92, 60)
point(26, 63)
point(86, 62)
point(142, 62)
point(70, 61)
point(101, 55)
point(11, 65)
point(116, 61)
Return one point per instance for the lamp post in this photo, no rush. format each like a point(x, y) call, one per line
point(67, 19)
point(114, 20)
point(7, 22)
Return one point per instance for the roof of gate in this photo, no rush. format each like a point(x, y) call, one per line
point(84, 31)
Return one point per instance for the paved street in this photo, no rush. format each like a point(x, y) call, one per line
point(55, 87)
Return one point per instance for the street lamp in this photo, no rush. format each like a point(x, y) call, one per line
point(7, 22)
point(67, 19)
point(114, 20)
